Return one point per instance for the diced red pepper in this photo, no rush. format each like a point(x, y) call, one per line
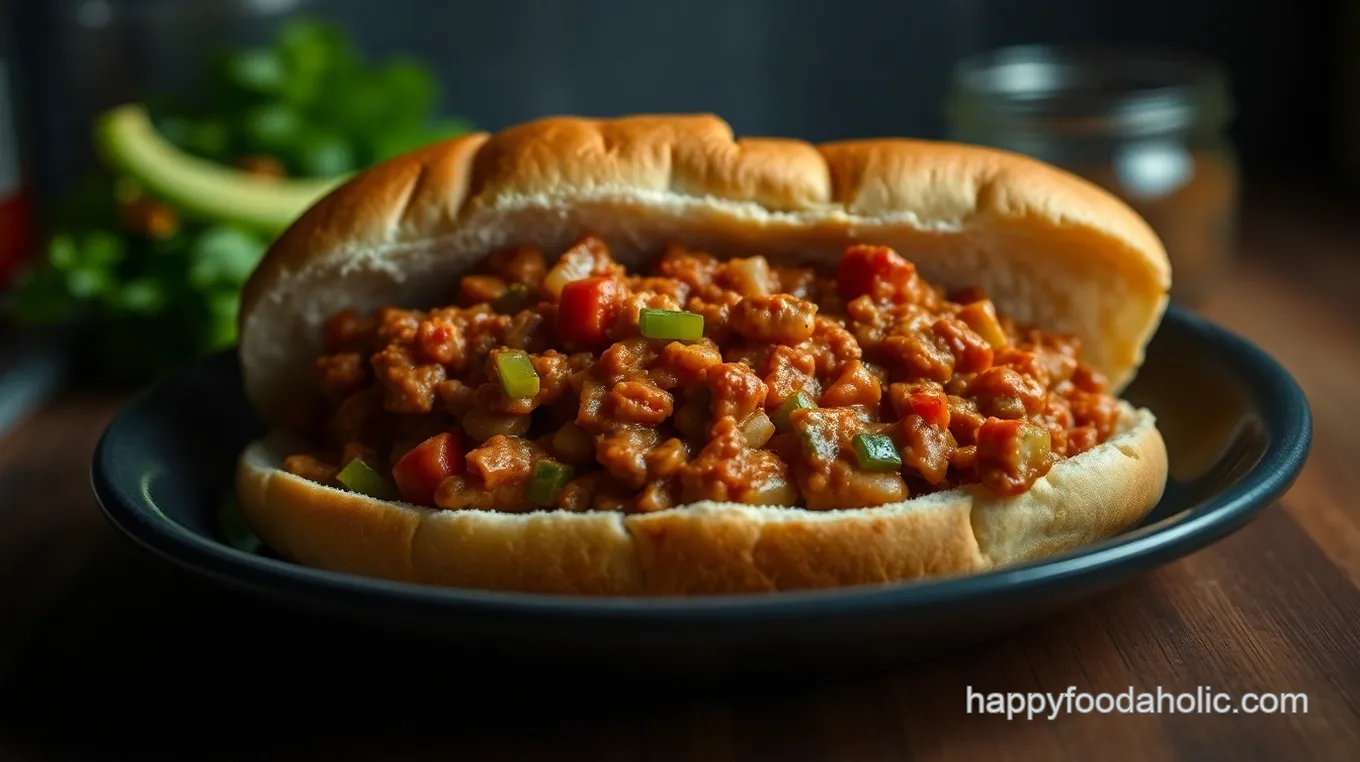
point(876, 271)
point(420, 472)
point(586, 309)
point(933, 406)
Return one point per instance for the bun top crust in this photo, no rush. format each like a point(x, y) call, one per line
point(1049, 247)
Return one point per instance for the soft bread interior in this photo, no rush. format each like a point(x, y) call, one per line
point(707, 547)
point(1051, 249)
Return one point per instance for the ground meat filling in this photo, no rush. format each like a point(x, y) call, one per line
point(575, 385)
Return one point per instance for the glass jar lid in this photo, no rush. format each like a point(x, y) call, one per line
point(1089, 92)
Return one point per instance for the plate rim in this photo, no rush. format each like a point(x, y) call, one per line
point(1288, 418)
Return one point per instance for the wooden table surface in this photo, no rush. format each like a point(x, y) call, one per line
point(104, 653)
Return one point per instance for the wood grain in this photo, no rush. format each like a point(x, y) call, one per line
point(103, 650)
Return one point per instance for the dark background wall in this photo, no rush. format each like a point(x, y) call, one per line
point(819, 70)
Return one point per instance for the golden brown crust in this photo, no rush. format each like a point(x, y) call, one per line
point(1052, 249)
point(559, 552)
point(732, 548)
point(373, 208)
point(708, 548)
point(687, 155)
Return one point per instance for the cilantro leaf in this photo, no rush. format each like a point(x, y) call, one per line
point(223, 256)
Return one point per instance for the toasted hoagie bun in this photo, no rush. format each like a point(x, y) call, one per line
point(1049, 248)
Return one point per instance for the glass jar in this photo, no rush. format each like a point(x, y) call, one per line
point(1148, 126)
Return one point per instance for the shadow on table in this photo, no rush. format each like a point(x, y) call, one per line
point(136, 658)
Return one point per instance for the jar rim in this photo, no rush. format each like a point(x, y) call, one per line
point(1074, 89)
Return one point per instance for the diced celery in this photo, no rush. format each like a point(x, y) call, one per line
point(671, 324)
point(516, 373)
point(548, 480)
point(360, 477)
point(876, 452)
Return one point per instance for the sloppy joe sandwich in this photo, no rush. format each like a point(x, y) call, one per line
point(639, 357)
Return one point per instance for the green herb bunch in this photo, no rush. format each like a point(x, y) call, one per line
point(152, 286)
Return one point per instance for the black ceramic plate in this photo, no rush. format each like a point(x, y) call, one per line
point(1237, 429)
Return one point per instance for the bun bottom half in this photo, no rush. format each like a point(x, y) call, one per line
point(706, 548)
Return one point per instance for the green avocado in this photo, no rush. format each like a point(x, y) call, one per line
point(127, 140)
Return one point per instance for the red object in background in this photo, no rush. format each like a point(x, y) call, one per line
point(16, 205)
point(16, 233)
